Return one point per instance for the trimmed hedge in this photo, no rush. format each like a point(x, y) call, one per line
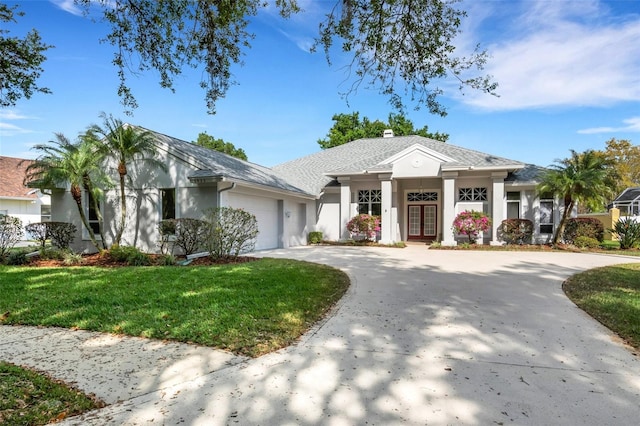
point(516, 231)
point(583, 227)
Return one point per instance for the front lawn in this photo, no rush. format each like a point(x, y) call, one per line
point(248, 308)
point(612, 296)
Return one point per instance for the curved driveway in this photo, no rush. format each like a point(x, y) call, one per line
point(422, 337)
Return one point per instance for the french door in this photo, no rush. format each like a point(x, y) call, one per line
point(423, 222)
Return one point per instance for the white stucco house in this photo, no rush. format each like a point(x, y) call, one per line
point(27, 204)
point(416, 185)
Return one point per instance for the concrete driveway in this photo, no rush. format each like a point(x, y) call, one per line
point(422, 337)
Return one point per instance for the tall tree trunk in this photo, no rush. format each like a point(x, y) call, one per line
point(565, 215)
point(122, 170)
point(76, 193)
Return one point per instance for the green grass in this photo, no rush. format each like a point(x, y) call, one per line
point(31, 398)
point(612, 296)
point(248, 308)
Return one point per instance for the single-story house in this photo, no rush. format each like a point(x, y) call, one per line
point(27, 204)
point(417, 186)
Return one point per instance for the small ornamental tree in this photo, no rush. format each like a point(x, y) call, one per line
point(10, 233)
point(38, 231)
point(230, 232)
point(364, 225)
point(471, 223)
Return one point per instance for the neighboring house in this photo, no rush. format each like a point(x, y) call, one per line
point(628, 202)
point(17, 200)
point(417, 186)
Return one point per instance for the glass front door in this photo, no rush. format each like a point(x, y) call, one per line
point(423, 222)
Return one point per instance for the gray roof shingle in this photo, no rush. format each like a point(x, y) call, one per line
point(310, 172)
point(211, 163)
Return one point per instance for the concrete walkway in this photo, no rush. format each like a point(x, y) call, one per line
point(422, 337)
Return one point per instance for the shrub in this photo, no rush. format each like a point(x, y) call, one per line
point(583, 227)
point(315, 237)
point(10, 233)
point(586, 242)
point(628, 231)
point(51, 254)
point(190, 234)
point(129, 255)
point(61, 234)
point(38, 231)
point(16, 258)
point(364, 225)
point(471, 223)
point(71, 258)
point(167, 260)
point(516, 231)
point(230, 232)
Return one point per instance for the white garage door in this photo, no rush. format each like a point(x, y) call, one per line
point(265, 211)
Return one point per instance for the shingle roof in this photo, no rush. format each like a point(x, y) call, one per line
point(529, 174)
point(211, 163)
point(12, 173)
point(368, 154)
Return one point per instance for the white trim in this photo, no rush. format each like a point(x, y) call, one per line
point(438, 156)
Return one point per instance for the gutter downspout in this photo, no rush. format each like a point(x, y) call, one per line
point(220, 191)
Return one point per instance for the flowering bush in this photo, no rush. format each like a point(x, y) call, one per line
point(471, 223)
point(364, 225)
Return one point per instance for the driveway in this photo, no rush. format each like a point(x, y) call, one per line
point(422, 337)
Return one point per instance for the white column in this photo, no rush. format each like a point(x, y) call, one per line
point(448, 207)
point(387, 225)
point(345, 206)
point(497, 206)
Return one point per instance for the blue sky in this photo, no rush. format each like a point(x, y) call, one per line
point(568, 74)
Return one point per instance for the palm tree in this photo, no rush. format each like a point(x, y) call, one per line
point(125, 144)
point(581, 178)
point(62, 162)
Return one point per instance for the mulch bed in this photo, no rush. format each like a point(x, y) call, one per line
point(105, 261)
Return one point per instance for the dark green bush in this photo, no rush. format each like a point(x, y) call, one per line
point(315, 237)
point(52, 253)
point(583, 227)
point(628, 232)
point(516, 231)
point(129, 255)
point(16, 258)
point(586, 242)
point(61, 234)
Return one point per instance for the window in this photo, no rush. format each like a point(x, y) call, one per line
point(45, 213)
point(422, 196)
point(370, 201)
point(513, 205)
point(168, 200)
point(546, 216)
point(93, 215)
point(472, 194)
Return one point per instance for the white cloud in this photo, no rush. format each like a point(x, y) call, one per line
point(11, 115)
point(7, 129)
point(563, 54)
point(631, 125)
point(68, 6)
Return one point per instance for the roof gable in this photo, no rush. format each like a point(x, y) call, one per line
point(209, 164)
point(315, 171)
